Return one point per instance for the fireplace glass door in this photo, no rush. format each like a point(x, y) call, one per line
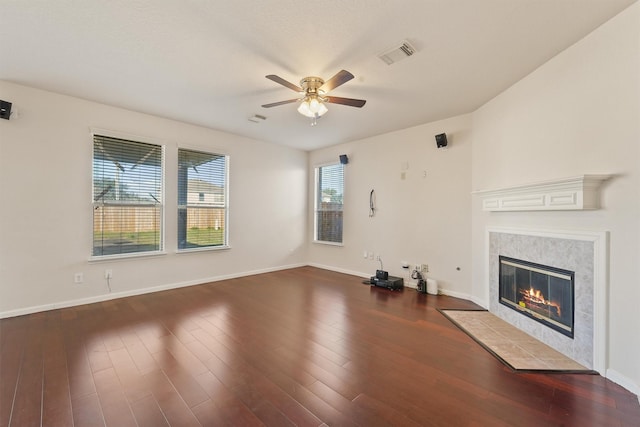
point(540, 292)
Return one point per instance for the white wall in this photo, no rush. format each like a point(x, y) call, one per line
point(46, 212)
point(577, 114)
point(424, 218)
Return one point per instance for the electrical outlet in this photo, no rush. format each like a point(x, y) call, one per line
point(371, 254)
point(424, 268)
point(78, 278)
point(108, 274)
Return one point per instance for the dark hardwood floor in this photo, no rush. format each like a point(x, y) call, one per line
point(302, 347)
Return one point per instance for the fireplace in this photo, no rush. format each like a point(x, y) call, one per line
point(583, 252)
point(540, 292)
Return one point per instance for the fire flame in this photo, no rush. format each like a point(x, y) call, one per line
point(537, 297)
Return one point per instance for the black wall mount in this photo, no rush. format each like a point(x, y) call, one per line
point(5, 109)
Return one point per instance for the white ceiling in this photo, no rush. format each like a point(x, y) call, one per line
point(204, 62)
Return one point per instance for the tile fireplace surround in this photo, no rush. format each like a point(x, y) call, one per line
point(581, 252)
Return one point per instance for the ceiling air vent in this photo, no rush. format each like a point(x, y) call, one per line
point(397, 53)
point(257, 118)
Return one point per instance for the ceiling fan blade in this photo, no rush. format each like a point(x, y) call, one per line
point(275, 104)
point(346, 101)
point(340, 78)
point(283, 82)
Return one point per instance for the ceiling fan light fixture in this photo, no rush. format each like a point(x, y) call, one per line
point(312, 106)
point(313, 92)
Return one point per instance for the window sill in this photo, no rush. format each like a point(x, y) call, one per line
point(205, 249)
point(126, 256)
point(320, 242)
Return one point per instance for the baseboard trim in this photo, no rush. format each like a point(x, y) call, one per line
point(623, 381)
point(340, 270)
point(481, 302)
point(455, 294)
point(134, 292)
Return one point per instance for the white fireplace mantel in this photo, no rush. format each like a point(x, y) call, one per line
point(575, 193)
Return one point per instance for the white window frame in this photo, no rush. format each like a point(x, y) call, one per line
point(145, 140)
point(316, 207)
point(216, 152)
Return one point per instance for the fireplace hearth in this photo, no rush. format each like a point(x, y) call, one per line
point(541, 292)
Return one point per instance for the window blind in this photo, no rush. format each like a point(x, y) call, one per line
point(202, 199)
point(329, 203)
point(127, 196)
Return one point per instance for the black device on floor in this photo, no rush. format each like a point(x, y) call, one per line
point(391, 282)
point(382, 275)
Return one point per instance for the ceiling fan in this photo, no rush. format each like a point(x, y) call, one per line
point(313, 94)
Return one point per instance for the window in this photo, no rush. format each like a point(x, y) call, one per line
point(328, 203)
point(202, 199)
point(127, 196)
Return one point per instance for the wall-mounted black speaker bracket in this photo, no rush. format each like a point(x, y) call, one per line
point(5, 109)
point(344, 159)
